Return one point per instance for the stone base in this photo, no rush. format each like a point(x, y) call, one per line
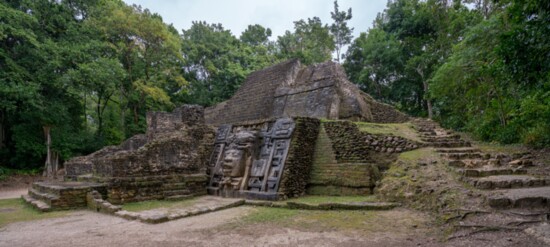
point(47, 196)
point(331, 190)
point(250, 195)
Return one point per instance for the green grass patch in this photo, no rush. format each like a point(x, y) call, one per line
point(15, 210)
point(148, 205)
point(418, 154)
point(500, 148)
point(270, 215)
point(322, 220)
point(404, 130)
point(333, 199)
point(494, 147)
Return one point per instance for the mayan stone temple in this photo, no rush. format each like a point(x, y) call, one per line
point(281, 135)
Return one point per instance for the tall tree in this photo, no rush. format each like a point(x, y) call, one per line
point(216, 62)
point(311, 42)
point(407, 43)
point(149, 51)
point(255, 35)
point(340, 30)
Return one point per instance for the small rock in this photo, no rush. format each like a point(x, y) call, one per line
point(515, 162)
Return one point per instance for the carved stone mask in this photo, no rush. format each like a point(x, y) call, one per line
point(237, 153)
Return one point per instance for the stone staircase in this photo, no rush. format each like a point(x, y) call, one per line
point(49, 196)
point(507, 181)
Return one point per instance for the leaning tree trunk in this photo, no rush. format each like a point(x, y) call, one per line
point(2, 131)
point(52, 158)
point(426, 89)
point(428, 102)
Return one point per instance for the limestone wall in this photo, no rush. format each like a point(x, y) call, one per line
point(170, 161)
point(300, 158)
point(384, 113)
point(290, 90)
point(348, 161)
point(254, 99)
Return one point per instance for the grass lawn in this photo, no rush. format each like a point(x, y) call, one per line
point(404, 130)
point(322, 220)
point(15, 210)
point(333, 199)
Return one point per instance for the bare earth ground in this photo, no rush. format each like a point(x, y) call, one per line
point(15, 186)
point(222, 228)
point(397, 227)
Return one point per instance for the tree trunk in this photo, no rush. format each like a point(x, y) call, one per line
point(99, 118)
point(428, 102)
point(2, 130)
point(426, 88)
point(52, 158)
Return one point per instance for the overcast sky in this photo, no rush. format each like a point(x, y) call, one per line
point(278, 15)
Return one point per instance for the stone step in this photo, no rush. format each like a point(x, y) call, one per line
point(43, 187)
point(37, 204)
point(538, 197)
point(507, 181)
point(178, 197)
point(440, 137)
point(453, 144)
point(170, 193)
point(61, 188)
point(458, 150)
point(494, 171)
point(44, 197)
point(439, 140)
point(463, 156)
point(473, 163)
point(175, 186)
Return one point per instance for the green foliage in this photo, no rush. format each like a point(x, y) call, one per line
point(216, 62)
point(483, 70)
point(339, 29)
point(91, 70)
point(311, 42)
point(255, 35)
point(395, 59)
point(490, 85)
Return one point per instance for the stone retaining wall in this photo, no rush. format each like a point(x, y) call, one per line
point(348, 161)
point(169, 161)
point(300, 157)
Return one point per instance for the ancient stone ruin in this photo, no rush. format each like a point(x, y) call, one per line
point(348, 161)
point(270, 144)
point(292, 90)
point(264, 160)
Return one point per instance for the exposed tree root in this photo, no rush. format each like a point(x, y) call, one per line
point(546, 214)
point(465, 214)
point(520, 223)
point(482, 229)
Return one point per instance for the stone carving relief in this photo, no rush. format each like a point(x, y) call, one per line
point(249, 161)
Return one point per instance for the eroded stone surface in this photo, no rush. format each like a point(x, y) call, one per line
point(290, 90)
point(167, 162)
point(258, 160)
point(201, 205)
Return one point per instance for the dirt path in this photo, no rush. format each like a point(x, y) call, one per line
point(222, 228)
point(17, 185)
point(86, 228)
point(12, 193)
